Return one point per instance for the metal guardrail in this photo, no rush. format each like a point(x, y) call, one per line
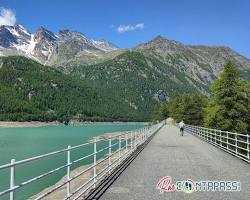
point(125, 145)
point(234, 143)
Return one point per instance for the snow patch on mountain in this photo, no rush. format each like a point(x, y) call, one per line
point(45, 45)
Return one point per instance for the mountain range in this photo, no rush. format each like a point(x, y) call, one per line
point(48, 47)
point(138, 78)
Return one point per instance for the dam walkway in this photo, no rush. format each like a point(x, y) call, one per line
point(179, 157)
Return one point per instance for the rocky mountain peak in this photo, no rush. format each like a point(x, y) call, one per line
point(162, 45)
point(6, 38)
point(105, 45)
point(13, 35)
point(69, 34)
point(44, 34)
point(159, 38)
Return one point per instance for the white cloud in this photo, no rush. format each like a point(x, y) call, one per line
point(126, 28)
point(7, 17)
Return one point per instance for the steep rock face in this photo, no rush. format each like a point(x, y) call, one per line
point(72, 44)
point(105, 45)
point(203, 63)
point(6, 38)
point(44, 43)
point(14, 40)
point(216, 56)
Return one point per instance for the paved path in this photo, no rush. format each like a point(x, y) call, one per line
point(185, 157)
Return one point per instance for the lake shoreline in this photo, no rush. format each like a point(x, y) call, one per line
point(25, 143)
point(33, 124)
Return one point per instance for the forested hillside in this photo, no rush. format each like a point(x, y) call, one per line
point(31, 91)
point(141, 81)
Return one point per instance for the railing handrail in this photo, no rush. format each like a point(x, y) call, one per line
point(136, 138)
point(8, 165)
point(221, 139)
point(235, 133)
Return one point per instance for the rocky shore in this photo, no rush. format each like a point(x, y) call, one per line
point(8, 124)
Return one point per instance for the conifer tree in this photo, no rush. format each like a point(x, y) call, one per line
point(228, 106)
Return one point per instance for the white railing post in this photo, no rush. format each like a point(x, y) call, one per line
point(236, 144)
point(119, 149)
point(126, 138)
point(68, 172)
point(142, 136)
point(220, 139)
point(227, 139)
point(138, 138)
point(248, 148)
point(131, 142)
point(110, 151)
point(94, 174)
point(139, 135)
point(135, 140)
point(12, 179)
point(209, 135)
point(216, 137)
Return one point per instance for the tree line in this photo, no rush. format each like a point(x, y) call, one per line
point(227, 107)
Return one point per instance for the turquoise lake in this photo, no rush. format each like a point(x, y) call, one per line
point(22, 143)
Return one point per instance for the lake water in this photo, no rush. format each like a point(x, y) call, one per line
point(21, 143)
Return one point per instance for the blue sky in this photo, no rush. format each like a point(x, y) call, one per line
point(210, 22)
